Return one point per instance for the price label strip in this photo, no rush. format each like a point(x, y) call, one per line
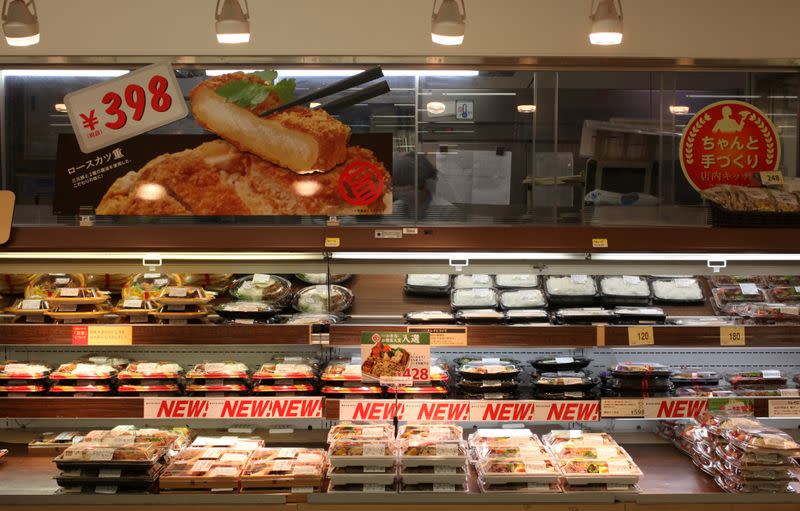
point(732, 336)
point(116, 110)
point(641, 336)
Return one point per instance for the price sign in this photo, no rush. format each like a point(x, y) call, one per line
point(732, 336)
point(641, 336)
point(771, 178)
point(395, 358)
point(622, 408)
point(116, 110)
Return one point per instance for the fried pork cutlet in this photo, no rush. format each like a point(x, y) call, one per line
point(300, 139)
point(217, 179)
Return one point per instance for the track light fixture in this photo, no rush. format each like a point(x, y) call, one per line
point(448, 24)
point(20, 22)
point(606, 22)
point(233, 22)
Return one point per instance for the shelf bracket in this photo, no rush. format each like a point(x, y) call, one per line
point(152, 261)
point(458, 264)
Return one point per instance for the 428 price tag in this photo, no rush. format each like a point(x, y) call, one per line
point(130, 105)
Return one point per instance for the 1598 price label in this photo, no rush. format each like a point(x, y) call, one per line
point(118, 109)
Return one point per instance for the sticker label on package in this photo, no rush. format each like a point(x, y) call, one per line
point(202, 466)
point(618, 467)
point(102, 454)
point(374, 488)
point(211, 454)
point(31, 305)
point(374, 449)
point(447, 449)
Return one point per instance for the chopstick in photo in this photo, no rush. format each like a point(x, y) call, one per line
point(360, 96)
point(370, 74)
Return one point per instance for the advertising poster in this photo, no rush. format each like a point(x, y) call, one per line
point(395, 358)
point(296, 162)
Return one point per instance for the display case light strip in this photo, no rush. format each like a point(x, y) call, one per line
point(171, 256)
point(472, 256)
point(666, 257)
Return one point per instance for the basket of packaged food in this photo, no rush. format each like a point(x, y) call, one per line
point(571, 290)
point(618, 290)
point(419, 284)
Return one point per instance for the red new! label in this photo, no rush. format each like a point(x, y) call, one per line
point(729, 142)
point(361, 183)
point(80, 335)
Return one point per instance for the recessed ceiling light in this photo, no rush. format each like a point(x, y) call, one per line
point(678, 109)
point(448, 24)
point(435, 107)
point(606, 23)
point(233, 22)
point(20, 22)
point(526, 109)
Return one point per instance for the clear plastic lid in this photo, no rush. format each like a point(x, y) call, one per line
point(571, 285)
point(146, 286)
point(522, 299)
point(286, 368)
point(467, 315)
point(211, 463)
point(517, 280)
point(316, 299)
point(477, 280)
point(142, 369)
point(411, 447)
point(765, 377)
point(13, 370)
point(259, 287)
point(342, 370)
point(216, 282)
point(677, 289)
point(488, 368)
point(599, 467)
point(577, 437)
point(44, 286)
point(476, 297)
point(354, 431)
point(87, 451)
point(624, 286)
point(362, 448)
point(322, 278)
point(565, 379)
point(757, 438)
point(84, 370)
point(781, 280)
point(219, 370)
point(567, 451)
point(433, 432)
point(641, 368)
point(518, 466)
point(428, 280)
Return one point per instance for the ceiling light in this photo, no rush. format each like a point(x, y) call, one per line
point(60, 107)
point(20, 22)
point(233, 25)
point(66, 73)
point(678, 109)
point(606, 23)
point(448, 23)
point(314, 104)
point(526, 109)
point(435, 107)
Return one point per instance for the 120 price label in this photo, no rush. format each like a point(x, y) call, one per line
point(115, 110)
point(641, 336)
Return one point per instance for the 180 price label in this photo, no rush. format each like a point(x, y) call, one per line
point(118, 109)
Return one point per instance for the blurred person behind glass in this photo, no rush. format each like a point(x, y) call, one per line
point(431, 206)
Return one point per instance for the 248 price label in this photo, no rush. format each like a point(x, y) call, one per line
point(118, 109)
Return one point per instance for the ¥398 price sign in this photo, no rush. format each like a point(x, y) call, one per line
point(127, 106)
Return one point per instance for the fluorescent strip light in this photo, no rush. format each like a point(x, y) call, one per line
point(693, 257)
point(782, 97)
point(65, 72)
point(172, 256)
point(479, 93)
point(220, 72)
point(431, 72)
point(720, 96)
point(432, 256)
point(318, 72)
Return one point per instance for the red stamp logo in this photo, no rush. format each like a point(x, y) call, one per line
point(376, 337)
point(729, 142)
point(361, 183)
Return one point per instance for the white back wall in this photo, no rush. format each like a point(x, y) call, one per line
point(734, 29)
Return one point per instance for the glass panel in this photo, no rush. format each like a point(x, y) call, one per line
point(488, 147)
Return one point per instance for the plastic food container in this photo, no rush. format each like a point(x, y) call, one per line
point(342, 370)
point(380, 476)
point(77, 313)
point(135, 309)
point(732, 485)
point(577, 437)
point(272, 289)
point(162, 389)
point(44, 286)
point(640, 315)
point(643, 385)
point(287, 368)
point(677, 290)
point(355, 431)
point(257, 311)
point(146, 286)
point(484, 386)
point(479, 316)
point(491, 396)
point(519, 316)
point(725, 296)
point(377, 453)
point(429, 317)
point(767, 377)
point(473, 281)
point(556, 364)
point(416, 452)
point(144, 370)
point(624, 290)
point(22, 390)
point(566, 395)
point(781, 280)
point(433, 474)
point(218, 370)
point(316, 299)
point(182, 295)
point(473, 298)
point(84, 370)
point(571, 290)
point(584, 316)
point(785, 294)
point(567, 451)
point(488, 369)
point(734, 280)
point(82, 390)
point(522, 299)
point(518, 487)
point(362, 488)
point(578, 471)
point(703, 391)
point(564, 381)
point(641, 370)
point(313, 319)
point(323, 278)
point(425, 284)
point(284, 390)
point(427, 488)
point(689, 376)
point(76, 296)
point(13, 370)
point(440, 432)
point(217, 468)
point(759, 438)
point(513, 281)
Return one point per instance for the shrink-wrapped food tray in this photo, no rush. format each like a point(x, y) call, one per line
point(433, 474)
point(381, 475)
point(129, 478)
point(190, 470)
